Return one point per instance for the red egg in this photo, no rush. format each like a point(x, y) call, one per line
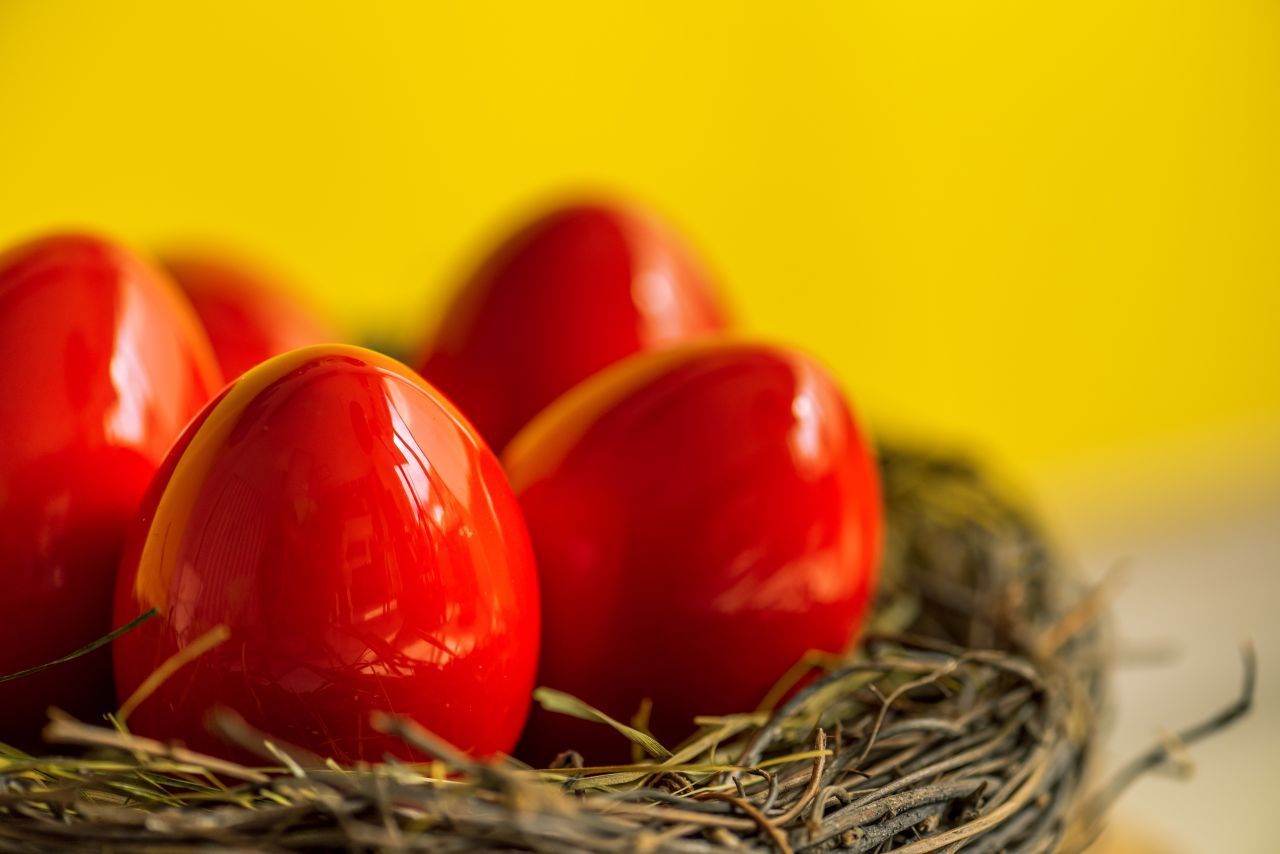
point(701, 518)
point(363, 547)
point(573, 292)
point(101, 366)
point(249, 316)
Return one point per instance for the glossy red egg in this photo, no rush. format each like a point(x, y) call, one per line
point(249, 315)
point(701, 517)
point(573, 292)
point(101, 366)
point(363, 547)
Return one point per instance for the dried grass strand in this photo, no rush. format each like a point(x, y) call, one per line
point(965, 722)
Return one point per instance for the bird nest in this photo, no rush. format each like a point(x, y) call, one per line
point(965, 719)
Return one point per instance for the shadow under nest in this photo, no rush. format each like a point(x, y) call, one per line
point(964, 720)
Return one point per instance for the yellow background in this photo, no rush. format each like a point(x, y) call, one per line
point(1047, 228)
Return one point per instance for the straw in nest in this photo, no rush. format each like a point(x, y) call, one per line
point(965, 720)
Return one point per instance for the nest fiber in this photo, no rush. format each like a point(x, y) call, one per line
point(965, 719)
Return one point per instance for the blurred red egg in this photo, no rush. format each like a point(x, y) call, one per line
point(572, 292)
point(249, 315)
point(101, 366)
point(363, 547)
point(701, 517)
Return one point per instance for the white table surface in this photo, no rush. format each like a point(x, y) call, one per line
point(1201, 545)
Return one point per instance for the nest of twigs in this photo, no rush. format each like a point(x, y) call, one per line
point(966, 719)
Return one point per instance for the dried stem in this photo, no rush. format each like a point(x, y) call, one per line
point(965, 722)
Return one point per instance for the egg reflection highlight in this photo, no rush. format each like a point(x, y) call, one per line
point(572, 292)
point(364, 548)
point(703, 516)
point(101, 366)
